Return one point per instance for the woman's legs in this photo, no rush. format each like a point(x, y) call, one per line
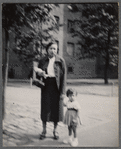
point(43, 134)
point(44, 127)
point(55, 133)
point(55, 126)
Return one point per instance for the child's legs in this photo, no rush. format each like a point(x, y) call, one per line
point(70, 130)
point(74, 128)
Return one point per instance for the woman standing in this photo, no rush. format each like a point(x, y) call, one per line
point(53, 69)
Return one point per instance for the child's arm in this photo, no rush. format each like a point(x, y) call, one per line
point(76, 105)
point(78, 108)
point(78, 114)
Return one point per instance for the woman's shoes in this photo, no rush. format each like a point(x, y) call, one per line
point(43, 135)
point(56, 136)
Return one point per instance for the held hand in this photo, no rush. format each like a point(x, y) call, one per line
point(62, 96)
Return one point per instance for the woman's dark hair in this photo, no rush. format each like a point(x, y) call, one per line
point(71, 91)
point(53, 42)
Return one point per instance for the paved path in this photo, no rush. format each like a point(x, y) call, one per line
point(99, 116)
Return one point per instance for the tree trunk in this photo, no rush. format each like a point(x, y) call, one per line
point(107, 60)
point(5, 59)
point(106, 68)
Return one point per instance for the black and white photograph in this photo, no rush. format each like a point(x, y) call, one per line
point(60, 76)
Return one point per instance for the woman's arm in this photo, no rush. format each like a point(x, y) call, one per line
point(40, 72)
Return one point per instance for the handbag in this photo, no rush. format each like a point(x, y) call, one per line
point(38, 81)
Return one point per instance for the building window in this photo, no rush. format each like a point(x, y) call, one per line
point(78, 51)
point(70, 26)
point(69, 69)
point(57, 21)
point(70, 48)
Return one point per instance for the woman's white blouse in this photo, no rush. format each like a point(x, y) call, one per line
point(50, 68)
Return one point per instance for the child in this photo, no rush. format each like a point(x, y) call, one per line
point(72, 116)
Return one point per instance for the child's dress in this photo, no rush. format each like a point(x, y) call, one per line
point(71, 116)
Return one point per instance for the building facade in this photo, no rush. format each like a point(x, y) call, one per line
point(76, 68)
point(68, 49)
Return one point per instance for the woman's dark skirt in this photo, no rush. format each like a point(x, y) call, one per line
point(50, 97)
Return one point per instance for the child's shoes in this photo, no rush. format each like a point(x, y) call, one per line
point(68, 141)
point(74, 142)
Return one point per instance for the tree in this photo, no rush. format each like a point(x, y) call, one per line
point(98, 29)
point(25, 22)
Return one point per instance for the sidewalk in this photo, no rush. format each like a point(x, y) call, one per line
point(103, 135)
point(91, 81)
point(71, 81)
point(83, 86)
point(22, 124)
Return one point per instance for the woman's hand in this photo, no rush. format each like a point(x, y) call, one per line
point(40, 72)
point(44, 74)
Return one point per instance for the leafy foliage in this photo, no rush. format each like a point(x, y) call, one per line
point(98, 29)
point(25, 21)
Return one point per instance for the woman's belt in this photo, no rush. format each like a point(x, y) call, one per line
point(48, 76)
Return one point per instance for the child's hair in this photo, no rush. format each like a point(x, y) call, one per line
point(71, 91)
